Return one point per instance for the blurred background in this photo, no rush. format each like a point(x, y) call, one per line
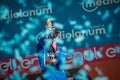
point(81, 25)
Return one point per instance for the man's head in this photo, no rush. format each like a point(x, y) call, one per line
point(49, 22)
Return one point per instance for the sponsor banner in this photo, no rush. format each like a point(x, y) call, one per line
point(81, 56)
point(27, 64)
point(93, 54)
point(105, 70)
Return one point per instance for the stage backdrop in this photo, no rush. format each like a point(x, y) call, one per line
point(89, 31)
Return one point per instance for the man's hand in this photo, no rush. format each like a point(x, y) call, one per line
point(51, 60)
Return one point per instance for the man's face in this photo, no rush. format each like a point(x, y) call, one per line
point(49, 23)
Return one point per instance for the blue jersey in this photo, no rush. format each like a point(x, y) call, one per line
point(53, 70)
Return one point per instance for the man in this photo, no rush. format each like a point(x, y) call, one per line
point(51, 56)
